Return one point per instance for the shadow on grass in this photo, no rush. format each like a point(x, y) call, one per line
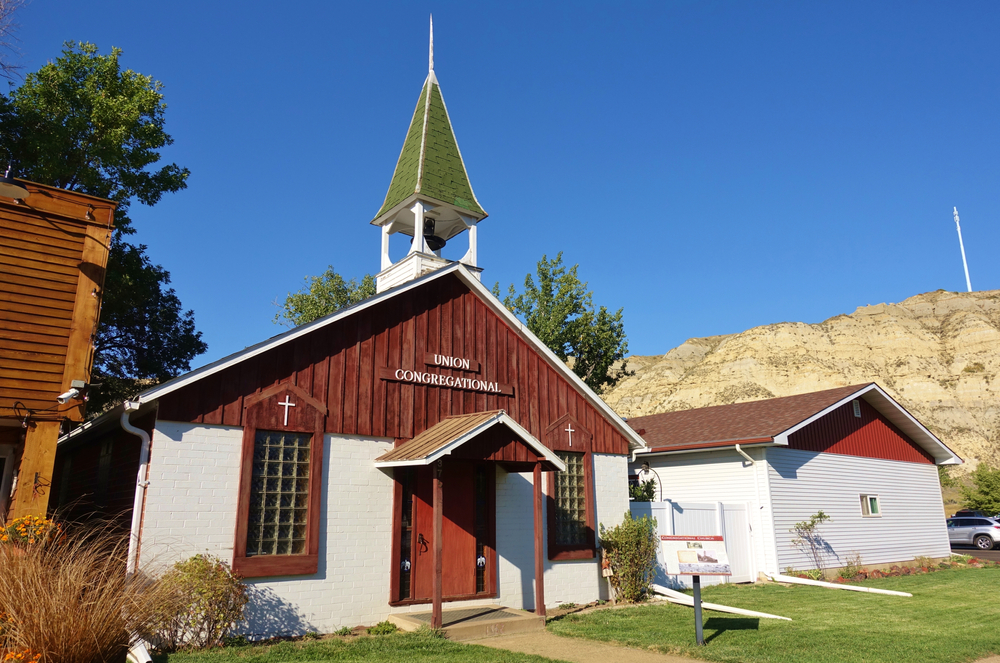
point(722, 624)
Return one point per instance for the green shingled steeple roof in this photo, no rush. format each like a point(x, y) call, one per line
point(430, 164)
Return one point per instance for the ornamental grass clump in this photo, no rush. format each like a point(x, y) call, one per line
point(631, 551)
point(65, 598)
point(207, 601)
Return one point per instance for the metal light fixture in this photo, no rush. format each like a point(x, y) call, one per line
point(11, 188)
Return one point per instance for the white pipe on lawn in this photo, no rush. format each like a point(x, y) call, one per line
point(831, 585)
point(683, 599)
point(140, 488)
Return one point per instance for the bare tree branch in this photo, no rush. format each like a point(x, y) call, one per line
point(8, 42)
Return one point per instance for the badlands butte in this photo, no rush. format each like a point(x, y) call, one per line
point(937, 354)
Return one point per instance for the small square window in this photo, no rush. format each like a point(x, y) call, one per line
point(870, 507)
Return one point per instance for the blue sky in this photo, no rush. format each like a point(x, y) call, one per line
point(711, 166)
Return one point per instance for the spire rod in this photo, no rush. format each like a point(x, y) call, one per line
point(430, 56)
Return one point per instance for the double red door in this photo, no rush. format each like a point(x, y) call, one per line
point(467, 532)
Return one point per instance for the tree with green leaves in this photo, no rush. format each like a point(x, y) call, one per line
point(559, 309)
point(83, 124)
point(323, 295)
point(984, 493)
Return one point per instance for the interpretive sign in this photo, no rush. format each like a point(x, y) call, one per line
point(695, 555)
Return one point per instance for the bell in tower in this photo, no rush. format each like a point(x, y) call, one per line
point(430, 197)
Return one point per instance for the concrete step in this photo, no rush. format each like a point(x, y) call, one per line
point(473, 623)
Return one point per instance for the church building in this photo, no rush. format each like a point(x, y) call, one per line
point(421, 449)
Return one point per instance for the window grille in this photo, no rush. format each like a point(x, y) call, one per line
point(571, 501)
point(279, 494)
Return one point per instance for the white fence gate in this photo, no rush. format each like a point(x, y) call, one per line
point(731, 521)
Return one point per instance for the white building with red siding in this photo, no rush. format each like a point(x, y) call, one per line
point(419, 448)
point(853, 453)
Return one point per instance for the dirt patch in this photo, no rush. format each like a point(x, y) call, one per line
point(575, 650)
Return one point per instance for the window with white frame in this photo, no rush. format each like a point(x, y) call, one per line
point(870, 507)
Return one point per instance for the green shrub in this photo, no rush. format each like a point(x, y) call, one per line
point(808, 538)
point(853, 568)
point(209, 602)
point(344, 630)
point(643, 492)
point(383, 628)
point(631, 550)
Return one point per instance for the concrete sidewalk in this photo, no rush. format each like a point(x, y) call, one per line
point(575, 650)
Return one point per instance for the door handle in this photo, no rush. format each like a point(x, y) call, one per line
point(423, 543)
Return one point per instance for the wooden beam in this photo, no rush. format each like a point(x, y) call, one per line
point(438, 513)
point(34, 478)
point(80, 350)
point(539, 546)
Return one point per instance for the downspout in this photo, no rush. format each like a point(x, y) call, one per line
point(752, 461)
point(141, 485)
point(753, 534)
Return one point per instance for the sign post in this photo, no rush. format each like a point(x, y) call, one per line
point(695, 556)
point(699, 632)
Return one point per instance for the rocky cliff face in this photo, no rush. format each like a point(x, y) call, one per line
point(937, 354)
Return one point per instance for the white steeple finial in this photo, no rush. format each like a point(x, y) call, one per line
point(430, 57)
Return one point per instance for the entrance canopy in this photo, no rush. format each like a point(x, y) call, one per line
point(491, 435)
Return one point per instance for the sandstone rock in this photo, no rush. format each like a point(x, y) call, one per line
point(937, 354)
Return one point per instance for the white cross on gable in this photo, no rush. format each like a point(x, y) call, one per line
point(287, 404)
point(569, 429)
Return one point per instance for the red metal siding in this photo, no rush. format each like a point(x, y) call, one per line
point(339, 365)
point(871, 436)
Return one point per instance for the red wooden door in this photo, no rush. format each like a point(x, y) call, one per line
point(458, 532)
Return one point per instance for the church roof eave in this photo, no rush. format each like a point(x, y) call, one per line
point(463, 273)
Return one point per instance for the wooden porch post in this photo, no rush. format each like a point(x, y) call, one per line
point(438, 510)
point(539, 546)
point(37, 461)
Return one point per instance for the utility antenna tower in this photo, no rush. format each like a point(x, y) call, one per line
point(958, 225)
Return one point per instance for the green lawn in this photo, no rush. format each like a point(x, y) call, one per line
point(952, 617)
point(408, 647)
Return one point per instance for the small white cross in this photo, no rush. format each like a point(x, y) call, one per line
point(287, 404)
point(569, 429)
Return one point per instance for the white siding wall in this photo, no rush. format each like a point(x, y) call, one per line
point(191, 508)
point(912, 522)
point(722, 476)
point(565, 582)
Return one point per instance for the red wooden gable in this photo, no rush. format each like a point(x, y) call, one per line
point(871, 436)
point(340, 366)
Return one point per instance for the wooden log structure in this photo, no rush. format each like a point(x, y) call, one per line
point(54, 248)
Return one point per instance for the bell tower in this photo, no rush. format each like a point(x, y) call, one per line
point(430, 197)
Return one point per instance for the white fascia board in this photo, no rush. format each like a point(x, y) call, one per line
point(497, 307)
point(108, 420)
point(673, 452)
point(875, 396)
point(500, 418)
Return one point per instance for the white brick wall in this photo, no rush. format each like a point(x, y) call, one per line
point(565, 582)
point(192, 464)
point(191, 508)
